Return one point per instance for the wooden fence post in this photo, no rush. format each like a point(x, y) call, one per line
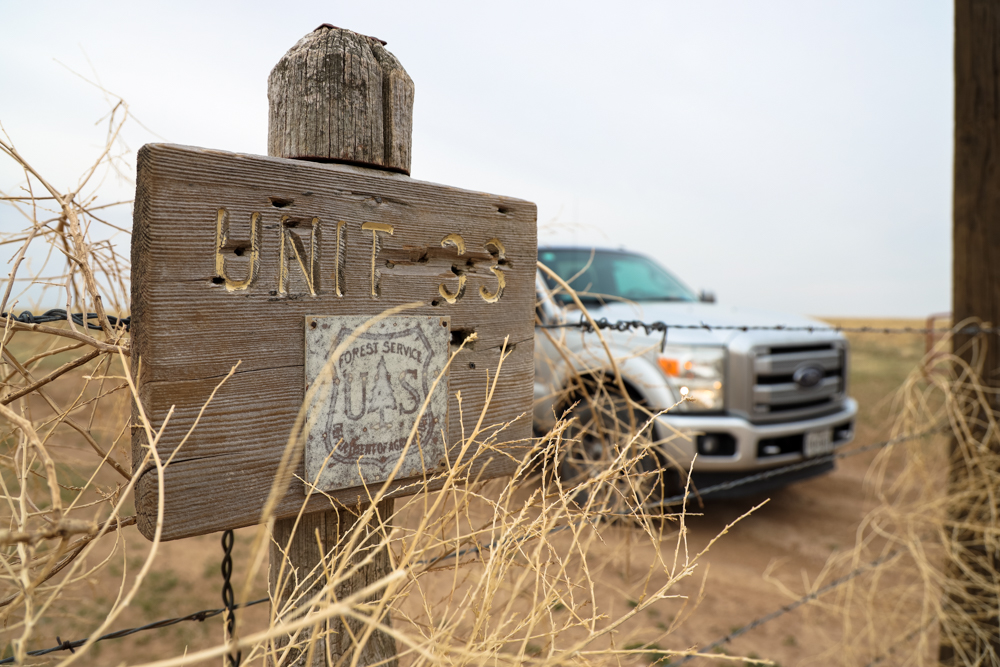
point(338, 96)
point(970, 628)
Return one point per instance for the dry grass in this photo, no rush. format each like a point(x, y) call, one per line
point(525, 569)
point(940, 527)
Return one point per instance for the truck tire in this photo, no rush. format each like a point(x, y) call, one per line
point(591, 465)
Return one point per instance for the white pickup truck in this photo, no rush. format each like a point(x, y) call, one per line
point(757, 399)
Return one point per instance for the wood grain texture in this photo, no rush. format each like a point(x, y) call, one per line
point(969, 633)
point(338, 95)
point(297, 547)
point(189, 329)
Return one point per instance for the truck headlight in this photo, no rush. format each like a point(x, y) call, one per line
point(695, 372)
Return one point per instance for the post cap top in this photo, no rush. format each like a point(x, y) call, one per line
point(330, 26)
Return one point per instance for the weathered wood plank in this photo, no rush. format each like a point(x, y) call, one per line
point(190, 327)
point(338, 95)
point(209, 484)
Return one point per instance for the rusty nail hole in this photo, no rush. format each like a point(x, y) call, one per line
point(218, 280)
point(435, 302)
point(278, 202)
point(472, 364)
point(313, 324)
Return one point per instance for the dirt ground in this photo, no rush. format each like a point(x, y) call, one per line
point(765, 561)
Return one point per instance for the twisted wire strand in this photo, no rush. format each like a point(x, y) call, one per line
point(60, 315)
point(781, 611)
point(196, 616)
point(228, 597)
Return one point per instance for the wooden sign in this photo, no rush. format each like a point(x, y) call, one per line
point(234, 257)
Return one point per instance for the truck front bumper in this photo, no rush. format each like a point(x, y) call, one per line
point(755, 447)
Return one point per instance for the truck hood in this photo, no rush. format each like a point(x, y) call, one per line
point(682, 314)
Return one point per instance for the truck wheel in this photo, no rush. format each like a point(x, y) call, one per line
point(592, 466)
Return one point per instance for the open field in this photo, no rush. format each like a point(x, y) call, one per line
point(801, 535)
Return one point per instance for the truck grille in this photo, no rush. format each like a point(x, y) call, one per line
point(794, 382)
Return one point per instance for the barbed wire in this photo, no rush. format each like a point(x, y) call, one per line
point(674, 500)
point(208, 613)
point(60, 315)
point(761, 620)
point(588, 326)
point(753, 625)
point(196, 616)
point(663, 327)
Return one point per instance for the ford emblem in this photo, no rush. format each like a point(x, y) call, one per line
point(808, 376)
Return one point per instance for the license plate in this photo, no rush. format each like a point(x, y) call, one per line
point(817, 443)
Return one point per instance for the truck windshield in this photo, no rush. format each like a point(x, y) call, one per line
point(604, 275)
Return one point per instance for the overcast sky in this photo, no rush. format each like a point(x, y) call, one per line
point(788, 155)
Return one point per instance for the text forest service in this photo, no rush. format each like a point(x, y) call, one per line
point(255, 246)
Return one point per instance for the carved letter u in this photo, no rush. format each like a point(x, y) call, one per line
point(347, 396)
point(221, 243)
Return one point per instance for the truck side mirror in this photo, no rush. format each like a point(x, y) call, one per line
point(706, 296)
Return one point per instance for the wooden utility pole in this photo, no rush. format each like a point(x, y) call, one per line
point(970, 629)
point(337, 96)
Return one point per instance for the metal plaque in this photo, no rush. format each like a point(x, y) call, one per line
point(377, 391)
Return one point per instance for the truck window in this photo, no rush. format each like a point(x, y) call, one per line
point(604, 275)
